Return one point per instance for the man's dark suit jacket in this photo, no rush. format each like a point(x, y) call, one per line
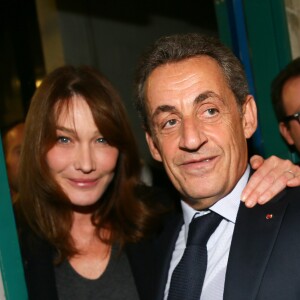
point(264, 258)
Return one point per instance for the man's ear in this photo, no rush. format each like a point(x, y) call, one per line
point(249, 117)
point(286, 133)
point(152, 147)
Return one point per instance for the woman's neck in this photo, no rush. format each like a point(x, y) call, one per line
point(93, 254)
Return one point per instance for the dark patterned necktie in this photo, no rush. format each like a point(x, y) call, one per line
point(188, 276)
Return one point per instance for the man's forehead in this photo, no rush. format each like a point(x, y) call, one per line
point(197, 77)
point(179, 72)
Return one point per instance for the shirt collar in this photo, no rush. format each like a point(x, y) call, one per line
point(227, 207)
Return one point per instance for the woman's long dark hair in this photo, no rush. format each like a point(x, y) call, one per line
point(45, 206)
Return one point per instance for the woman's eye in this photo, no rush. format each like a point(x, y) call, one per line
point(63, 140)
point(102, 140)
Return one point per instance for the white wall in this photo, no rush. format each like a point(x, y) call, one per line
point(292, 8)
point(76, 32)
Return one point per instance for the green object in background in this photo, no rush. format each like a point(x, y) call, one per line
point(10, 259)
point(223, 22)
point(269, 46)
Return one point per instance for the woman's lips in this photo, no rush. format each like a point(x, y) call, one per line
point(83, 183)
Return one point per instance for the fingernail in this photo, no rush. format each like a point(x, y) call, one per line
point(249, 204)
point(262, 200)
point(244, 197)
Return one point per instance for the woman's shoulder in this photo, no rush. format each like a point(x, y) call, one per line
point(37, 256)
point(160, 204)
point(32, 245)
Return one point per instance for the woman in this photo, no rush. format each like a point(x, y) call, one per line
point(78, 172)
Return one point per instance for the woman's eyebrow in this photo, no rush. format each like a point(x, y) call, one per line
point(65, 129)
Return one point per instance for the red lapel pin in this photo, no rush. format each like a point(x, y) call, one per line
point(269, 216)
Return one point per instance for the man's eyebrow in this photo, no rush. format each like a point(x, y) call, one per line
point(203, 96)
point(170, 108)
point(163, 108)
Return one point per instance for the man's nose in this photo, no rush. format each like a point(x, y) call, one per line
point(191, 135)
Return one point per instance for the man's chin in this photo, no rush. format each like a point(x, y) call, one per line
point(201, 201)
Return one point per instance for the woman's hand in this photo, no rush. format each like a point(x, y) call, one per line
point(272, 175)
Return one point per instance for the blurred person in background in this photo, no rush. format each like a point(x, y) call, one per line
point(285, 93)
point(12, 138)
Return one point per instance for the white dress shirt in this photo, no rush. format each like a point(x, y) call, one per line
point(218, 244)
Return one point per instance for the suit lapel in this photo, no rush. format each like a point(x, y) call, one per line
point(254, 235)
point(163, 252)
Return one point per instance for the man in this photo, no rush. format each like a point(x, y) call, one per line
point(193, 97)
point(285, 92)
point(12, 138)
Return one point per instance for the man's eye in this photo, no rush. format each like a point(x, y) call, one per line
point(212, 111)
point(170, 123)
point(102, 140)
point(63, 140)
